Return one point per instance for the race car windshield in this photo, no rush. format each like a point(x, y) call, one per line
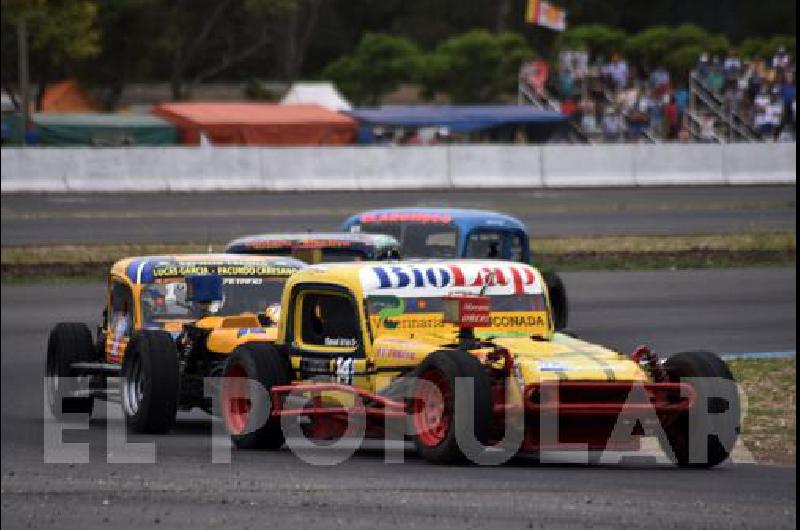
point(511, 314)
point(167, 301)
point(419, 239)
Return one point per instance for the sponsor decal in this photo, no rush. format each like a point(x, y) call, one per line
point(250, 331)
point(498, 279)
point(306, 244)
point(179, 270)
point(395, 350)
point(397, 217)
point(552, 366)
point(341, 342)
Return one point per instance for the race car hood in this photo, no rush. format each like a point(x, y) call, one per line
point(563, 358)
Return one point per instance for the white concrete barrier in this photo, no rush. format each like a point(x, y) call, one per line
point(485, 166)
point(669, 164)
point(755, 163)
point(381, 168)
point(588, 165)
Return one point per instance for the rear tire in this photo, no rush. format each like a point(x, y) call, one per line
point(679, 439)
point(434, 414)
point(68, 343)
point(248, 420)
point(150, 382)
point(558, 299)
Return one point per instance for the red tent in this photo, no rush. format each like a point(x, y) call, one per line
point(258, 123)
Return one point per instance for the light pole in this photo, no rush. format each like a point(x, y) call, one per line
point(24, 85)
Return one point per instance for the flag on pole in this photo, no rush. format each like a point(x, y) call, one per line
point(546, 14)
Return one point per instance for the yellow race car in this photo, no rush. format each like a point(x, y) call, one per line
point(362, 345)
point(169, 323)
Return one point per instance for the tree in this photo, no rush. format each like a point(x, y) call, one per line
point(475, 67)
point(205, 38)
point(596, 39)
point(377, 66)
point(62, 34)
point(648, 48)
point(766, 48)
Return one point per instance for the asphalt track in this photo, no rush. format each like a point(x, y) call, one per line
point(732, 310)
point(218, 217)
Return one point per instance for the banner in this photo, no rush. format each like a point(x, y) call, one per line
point(545, 14)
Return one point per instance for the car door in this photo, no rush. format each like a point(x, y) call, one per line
point(325, 336)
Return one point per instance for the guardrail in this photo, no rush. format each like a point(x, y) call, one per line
point(377, 168)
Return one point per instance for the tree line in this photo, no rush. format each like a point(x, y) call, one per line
point(466, 49)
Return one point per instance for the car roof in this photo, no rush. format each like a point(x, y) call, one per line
point(462, 217)
point(316, 239)
point(144, 269)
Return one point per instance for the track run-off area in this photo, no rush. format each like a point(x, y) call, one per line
point(218, 217)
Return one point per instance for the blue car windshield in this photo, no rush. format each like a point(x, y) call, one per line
point(419, 239)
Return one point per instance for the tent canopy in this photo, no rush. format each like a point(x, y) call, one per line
point(323, 94)
point(103, 129)
point(458, 118)
point(258, 123)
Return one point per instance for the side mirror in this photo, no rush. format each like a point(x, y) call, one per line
point(204, 288)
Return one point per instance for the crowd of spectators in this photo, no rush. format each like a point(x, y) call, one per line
point(762, 92)
point(612, 101)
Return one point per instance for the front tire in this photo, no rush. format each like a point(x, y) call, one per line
point(558, 299)
point(434, 413)
point(716, 413)
point(246, 413)
point(68, 343)
point(150, 382)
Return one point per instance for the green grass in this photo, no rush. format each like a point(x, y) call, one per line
point(22, 263)
point(769, 429)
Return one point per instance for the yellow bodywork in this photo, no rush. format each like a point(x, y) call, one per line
point(541, 354)
point(226, 332)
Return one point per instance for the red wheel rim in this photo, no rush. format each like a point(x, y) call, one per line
point(235, 399)
point(432, 408)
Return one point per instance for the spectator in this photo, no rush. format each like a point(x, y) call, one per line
point(684, 136)
point(589, 116)
point(672, 117)
point(781, 60)
point(638, 118)
point(569, 108)
point(775, 113)
point(612, 125)
point(708, 126)
point(760, 118)
point(659, 80)
point(732, 70)
point(703, 66)
point(682, 99)
point(618, 70)
point(715, 78)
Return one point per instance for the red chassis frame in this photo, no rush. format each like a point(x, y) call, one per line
point(587, 411)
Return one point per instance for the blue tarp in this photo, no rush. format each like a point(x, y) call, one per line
point(458, 118)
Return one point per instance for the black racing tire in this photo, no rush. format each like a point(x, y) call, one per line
point(442, 368)
point(679, 439)
point(69, 342)
point(252, 427)
point(558, 299)
point(150, 382)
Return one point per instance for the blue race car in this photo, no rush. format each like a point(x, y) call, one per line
point(458, 233)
